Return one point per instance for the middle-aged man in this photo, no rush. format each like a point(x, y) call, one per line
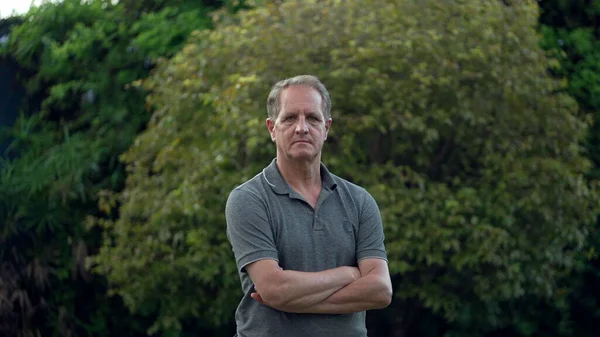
point(309, 245)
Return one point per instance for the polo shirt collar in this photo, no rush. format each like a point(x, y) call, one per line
point(274, 178)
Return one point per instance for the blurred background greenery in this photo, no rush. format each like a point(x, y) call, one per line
point(475, 124)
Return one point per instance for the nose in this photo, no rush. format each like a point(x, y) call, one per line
point(301, 127)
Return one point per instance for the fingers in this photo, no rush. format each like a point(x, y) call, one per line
point(257, 298)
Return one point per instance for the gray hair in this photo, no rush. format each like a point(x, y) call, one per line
point(273, 101)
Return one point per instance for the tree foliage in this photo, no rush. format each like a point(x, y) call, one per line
point(77, 60)
point(447, 116)
point(571, 35)
point(571, 31)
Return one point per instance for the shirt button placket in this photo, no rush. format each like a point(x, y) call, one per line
point(316, 224)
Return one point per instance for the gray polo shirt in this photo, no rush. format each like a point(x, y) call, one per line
point(267, 219)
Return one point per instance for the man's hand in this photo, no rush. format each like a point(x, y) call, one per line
point(258, 298)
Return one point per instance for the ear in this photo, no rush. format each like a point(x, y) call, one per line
point(271, 127)
point(327, 126)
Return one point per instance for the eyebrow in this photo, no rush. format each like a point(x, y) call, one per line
point(286, 114)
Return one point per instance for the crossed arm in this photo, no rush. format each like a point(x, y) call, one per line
point(334, 291)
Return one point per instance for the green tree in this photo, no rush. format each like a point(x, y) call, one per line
point(446, 115)
point(571, 31)
point(78, 115)
point(571, 35)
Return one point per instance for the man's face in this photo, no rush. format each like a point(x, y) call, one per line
point(300, 129)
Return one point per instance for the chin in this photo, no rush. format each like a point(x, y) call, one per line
point(302, 156)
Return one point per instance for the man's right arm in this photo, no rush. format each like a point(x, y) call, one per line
point(251, 235)
point(287, 290)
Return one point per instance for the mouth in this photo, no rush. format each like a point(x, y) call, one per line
point(302, 141)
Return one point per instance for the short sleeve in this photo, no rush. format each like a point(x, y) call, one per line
point(248, 228)
point(370, 243)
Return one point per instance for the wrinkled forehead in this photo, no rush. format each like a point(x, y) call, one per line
point(301, 98)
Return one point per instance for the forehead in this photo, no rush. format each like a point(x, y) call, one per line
point(300, 98)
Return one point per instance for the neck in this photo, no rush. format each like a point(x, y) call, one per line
point(300, 175)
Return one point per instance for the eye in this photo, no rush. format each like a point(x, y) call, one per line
point(313, 119)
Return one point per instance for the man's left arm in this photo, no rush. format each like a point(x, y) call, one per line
point(373, 290)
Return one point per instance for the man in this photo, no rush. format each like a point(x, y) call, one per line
point(308, 245)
